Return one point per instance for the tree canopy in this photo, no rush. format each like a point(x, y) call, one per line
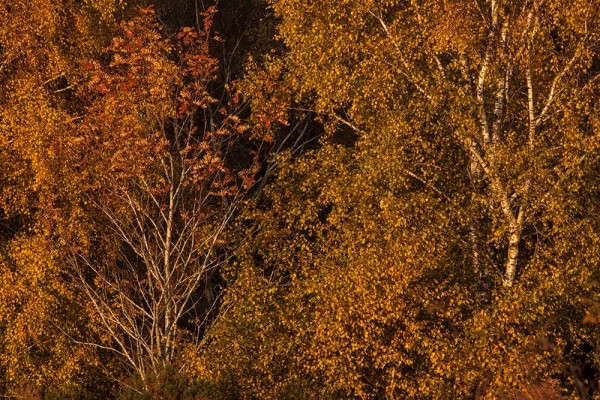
point(293, 200)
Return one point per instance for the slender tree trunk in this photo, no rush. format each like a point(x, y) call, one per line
point(512, 256)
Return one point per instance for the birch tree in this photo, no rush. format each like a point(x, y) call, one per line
point(451, 250)
point(506, 79)
point(156, 145)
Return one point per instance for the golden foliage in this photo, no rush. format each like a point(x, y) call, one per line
point(427, 224)
point(453, 249)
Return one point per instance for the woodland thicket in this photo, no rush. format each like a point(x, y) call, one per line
point(293, 199)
